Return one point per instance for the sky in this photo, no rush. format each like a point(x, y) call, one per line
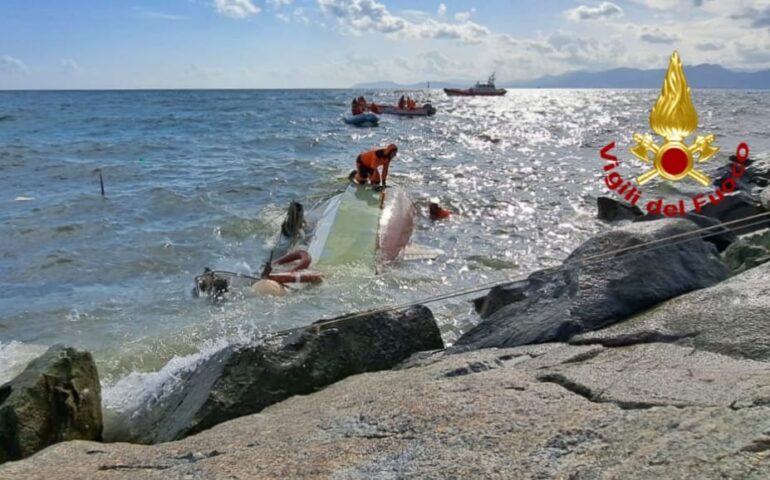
point(92, 44)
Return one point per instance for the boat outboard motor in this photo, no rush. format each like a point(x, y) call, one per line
point(292, 227)
point(210, 284)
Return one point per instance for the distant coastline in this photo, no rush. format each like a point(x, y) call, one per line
point(699, 76)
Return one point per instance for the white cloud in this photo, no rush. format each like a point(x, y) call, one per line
point(668, 4)
point(360, 16)
point(279, 3)
point(154, 14)
point(297, 16)
point(468, 32)
point(236, 8)
point(709, 46)
point(196, 72)
point(582, 51)
point(432, 64)
point(11, 65)
point(70, 65)
point(758, 17)
point(657, 35)
point(603, 10)
point(755, 50)
point(464, 16)
point(441, 10)
point(162, 15)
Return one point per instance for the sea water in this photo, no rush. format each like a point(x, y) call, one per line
point(198, 179)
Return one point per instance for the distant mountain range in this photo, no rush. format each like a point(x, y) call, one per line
point(413, 86)
point(698, 76)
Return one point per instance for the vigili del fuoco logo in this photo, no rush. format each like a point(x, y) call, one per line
point(674, 119)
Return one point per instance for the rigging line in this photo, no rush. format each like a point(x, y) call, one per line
point(586, 261)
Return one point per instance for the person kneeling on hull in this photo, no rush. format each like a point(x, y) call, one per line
point(367, 164)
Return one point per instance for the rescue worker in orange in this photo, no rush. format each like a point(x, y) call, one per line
point(369, 161)
point(411, 104)
point(356, 107)
point(435, 211)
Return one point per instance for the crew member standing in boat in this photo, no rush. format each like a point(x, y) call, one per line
point(368, 162)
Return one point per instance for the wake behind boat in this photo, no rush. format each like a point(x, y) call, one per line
point(480, 89)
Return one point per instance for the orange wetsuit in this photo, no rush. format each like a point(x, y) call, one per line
point(437, 213)
point(368, 162)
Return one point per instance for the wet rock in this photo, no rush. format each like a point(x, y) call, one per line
point(241, 380)
point(748, 252)
point(611, 210)
point(596, 287)
point(511, 421)
point(56, 398)
point(713, 231)
point(741, 210)
point(731, 318)
point(757, 174)
point(764, 198)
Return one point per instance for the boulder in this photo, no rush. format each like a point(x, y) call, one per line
point(748, 252)
point(764, 198)
point(611, 210)
point(757, 174)
point(244, 379)
point(731, 318)
point(660, 374)
point(713, 232)
point(536, 412)
point(56, 398)
point(740, 208)
point(607, 279)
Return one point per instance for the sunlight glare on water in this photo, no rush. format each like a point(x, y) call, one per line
point(200, 179)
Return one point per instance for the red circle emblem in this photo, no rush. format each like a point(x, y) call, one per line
point(674, 161)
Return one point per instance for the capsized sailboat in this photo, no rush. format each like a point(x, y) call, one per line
point(361, 226)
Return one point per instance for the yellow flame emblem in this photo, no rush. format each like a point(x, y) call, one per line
point(674, 118)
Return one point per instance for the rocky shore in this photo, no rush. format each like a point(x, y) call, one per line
point(646, 354)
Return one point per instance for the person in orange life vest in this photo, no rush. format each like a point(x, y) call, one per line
point(411, 104)
point(368, 162)
point(374, 108)
point(435, 211)
point(355, 107)
point(401, 103)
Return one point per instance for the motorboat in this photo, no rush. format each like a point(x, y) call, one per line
point(366, 119)
point(427, 110)
point(480, 89)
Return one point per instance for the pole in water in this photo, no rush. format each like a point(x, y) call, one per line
point(101, 180)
